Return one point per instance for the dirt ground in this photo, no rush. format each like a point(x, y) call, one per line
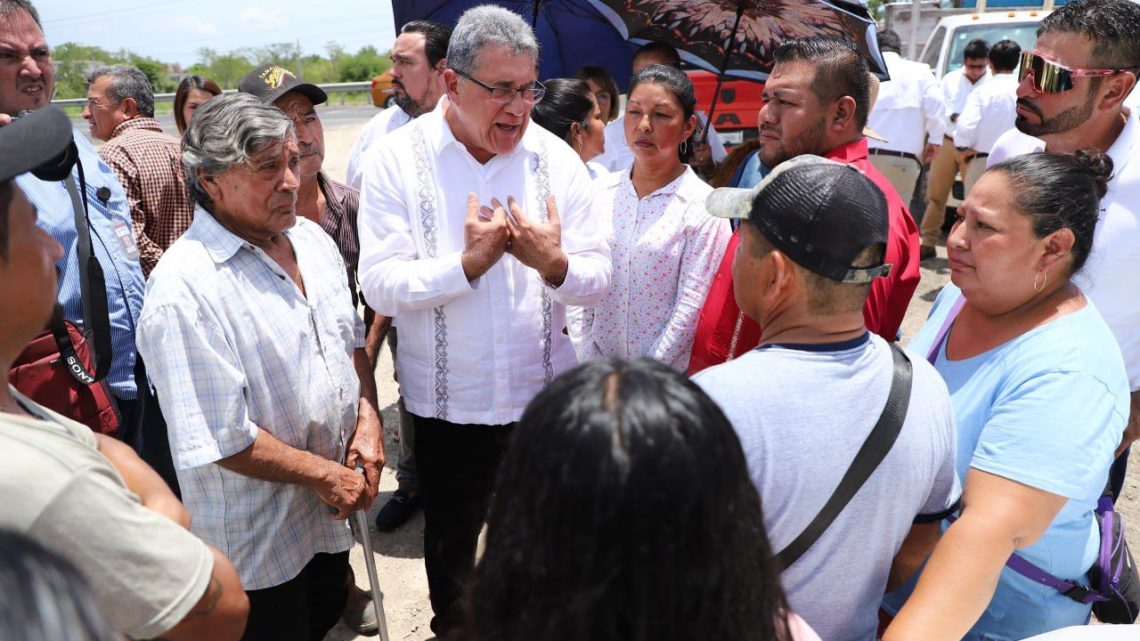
point(399, 555)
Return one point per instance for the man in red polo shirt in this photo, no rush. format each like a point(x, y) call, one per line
point(816, 102)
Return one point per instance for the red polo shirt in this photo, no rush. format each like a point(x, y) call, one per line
point(724, 332)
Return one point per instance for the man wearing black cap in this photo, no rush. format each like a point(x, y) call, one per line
point(806, 399)
point(85, 496)
point(333, 206)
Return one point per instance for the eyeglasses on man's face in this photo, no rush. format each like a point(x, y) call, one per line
point(506, 95)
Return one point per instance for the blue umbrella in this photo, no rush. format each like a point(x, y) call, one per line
point(571, 33)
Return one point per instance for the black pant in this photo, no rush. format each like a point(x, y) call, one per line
point(144, 429)
point(457, 466)
point(1117, 472)
point(304, 608)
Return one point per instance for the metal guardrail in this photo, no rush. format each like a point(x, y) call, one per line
point(330, 88)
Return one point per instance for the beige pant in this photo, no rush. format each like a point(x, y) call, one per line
point(902, 172)
point(939, 182)
point(974, 171)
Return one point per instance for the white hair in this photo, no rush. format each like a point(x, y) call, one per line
point(227, 131)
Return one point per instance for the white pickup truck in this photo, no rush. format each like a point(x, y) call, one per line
point(946, 27)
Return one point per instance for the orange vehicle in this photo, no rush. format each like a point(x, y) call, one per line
point(736, 109)
point(380, 89)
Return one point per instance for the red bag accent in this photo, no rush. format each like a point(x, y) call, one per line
point(56, 381)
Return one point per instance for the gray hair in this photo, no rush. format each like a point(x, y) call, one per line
point(488, 25)
point(9, 7)
point(126, 82)
point(228, 131)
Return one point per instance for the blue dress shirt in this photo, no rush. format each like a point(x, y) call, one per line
point(114, 245)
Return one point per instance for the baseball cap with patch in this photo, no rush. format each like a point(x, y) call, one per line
point(35, 141)
point(820, 213)
point(269, 82)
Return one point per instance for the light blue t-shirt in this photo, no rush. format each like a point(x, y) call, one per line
point(1046, 409)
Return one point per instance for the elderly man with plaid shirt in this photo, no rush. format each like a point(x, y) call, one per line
point(257, 354)
point(120, 110)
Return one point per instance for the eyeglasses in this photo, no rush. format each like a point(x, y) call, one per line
point(1053, 77)
point(506, 95)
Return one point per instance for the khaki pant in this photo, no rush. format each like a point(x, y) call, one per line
point(940, 180)
point(902, 172)
point(974, 171)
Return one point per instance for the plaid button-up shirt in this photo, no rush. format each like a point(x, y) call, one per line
point(149, 165)
point(339, 221)
point(232, 346)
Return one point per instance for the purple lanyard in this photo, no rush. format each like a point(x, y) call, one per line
point(945, 329)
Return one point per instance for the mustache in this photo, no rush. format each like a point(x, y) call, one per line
point(306, 148)
point(1028, 104)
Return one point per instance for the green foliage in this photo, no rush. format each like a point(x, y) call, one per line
point(73, 61)
point(366, 64)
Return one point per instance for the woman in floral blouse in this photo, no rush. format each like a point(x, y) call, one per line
point(665, 247)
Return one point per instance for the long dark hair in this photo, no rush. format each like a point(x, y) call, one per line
point(190, 82)
point(567, 101)
point(624, 512)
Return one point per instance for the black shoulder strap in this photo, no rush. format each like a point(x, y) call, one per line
point(873, 451)
point(92, 285)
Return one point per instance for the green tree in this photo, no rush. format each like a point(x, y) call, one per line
point(72, 63)
point(367, 63)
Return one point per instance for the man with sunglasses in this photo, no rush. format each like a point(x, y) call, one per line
point(1074, 84)
point(476, 231)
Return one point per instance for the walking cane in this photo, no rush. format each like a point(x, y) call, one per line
point(373, 580)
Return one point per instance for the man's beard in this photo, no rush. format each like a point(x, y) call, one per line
point(405, 101)
point(1067, 120)
point(808, 142)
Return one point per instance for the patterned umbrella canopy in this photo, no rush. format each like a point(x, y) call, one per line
point(571, 33)
point(751, 29)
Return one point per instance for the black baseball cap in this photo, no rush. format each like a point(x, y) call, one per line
point(33, 140)
point(269, 82)
point(818, 212)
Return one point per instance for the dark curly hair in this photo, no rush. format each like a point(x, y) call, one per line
point(624, 512)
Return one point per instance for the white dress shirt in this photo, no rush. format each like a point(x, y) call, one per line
point(1109, 276)
point(233, 345)
point(666, 250)
point(989, 113)
point(909, 110)
point(474, 352)
point(956, 88)
point(379, 125)
point(618, 155)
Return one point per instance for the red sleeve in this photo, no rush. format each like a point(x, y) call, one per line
point(890, 296)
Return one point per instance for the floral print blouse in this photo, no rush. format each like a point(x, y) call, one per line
point(665, 252)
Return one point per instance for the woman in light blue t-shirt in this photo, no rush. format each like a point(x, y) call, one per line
point(1040, 398)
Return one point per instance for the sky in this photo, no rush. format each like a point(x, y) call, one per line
point(174, 30)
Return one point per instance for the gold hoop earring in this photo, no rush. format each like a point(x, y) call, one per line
point(1040, 286)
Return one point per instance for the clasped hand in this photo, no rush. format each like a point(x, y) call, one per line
point(490, 232)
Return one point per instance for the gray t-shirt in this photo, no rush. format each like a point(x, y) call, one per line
point(802, 412)
point(145, 571)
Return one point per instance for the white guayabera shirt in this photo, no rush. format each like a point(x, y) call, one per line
point(474, 352)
